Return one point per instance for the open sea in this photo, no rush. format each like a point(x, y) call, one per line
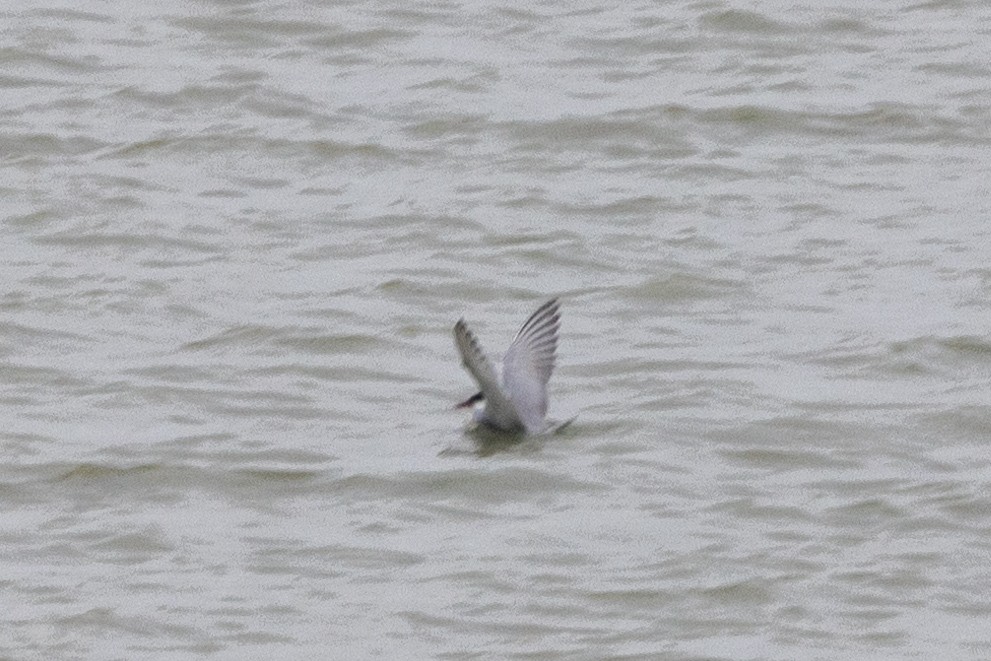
point(235, 236)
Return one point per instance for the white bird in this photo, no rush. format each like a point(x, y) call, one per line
point(519, 403)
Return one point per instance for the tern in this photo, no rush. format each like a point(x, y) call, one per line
point(517, 405)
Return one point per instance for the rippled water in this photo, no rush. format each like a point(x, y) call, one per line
point(236, 236)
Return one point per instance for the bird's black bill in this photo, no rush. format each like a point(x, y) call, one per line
point(471, 401)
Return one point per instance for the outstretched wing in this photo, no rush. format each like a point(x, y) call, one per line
point(498, 406)
point(529, 363)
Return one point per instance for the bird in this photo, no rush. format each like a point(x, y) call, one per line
point(517, 404)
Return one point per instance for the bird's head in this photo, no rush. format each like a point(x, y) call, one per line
point(471, 401)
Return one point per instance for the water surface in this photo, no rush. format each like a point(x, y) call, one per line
point(235, 238)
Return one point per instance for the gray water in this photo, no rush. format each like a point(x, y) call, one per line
point(235, 237)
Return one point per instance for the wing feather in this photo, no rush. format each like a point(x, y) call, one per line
point(529, 363)
point(498, 407)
